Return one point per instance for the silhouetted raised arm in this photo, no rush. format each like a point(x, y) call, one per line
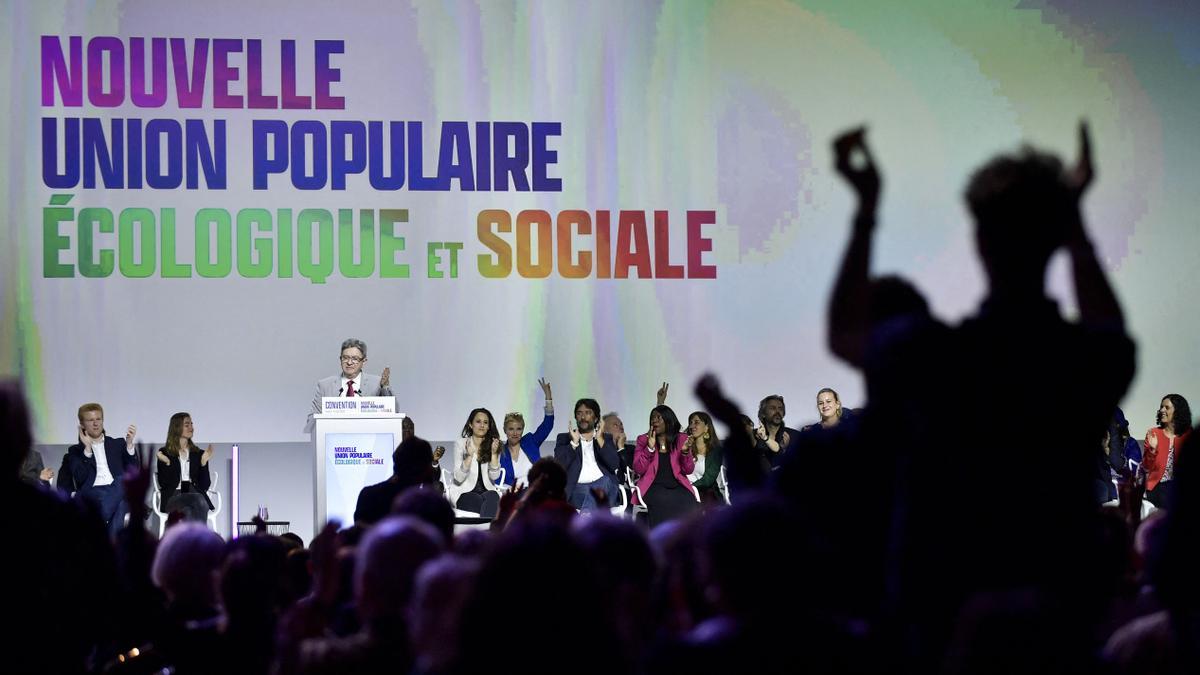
point(1098, 305)
point(849, 303)
point(742, 466)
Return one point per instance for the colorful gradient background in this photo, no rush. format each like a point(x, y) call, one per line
point(724, 106)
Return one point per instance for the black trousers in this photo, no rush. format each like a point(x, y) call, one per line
point(486, 503)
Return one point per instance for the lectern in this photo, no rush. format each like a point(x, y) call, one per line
point(353, 440)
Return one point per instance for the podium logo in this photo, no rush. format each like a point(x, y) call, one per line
point(350, 455)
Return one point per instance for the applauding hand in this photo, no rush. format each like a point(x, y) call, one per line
point(864, 178)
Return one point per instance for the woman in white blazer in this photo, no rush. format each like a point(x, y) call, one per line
point(473, 484)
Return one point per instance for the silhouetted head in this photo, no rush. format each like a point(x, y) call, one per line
point(412, 462)
point(291, 541)
point(387, 563)
point(184, 563)
point(626, 571)
point(1022, 205)
point(893, 297)
point(251, 586)
point(748, 531)
point(566, 573)
point(14, 426)
point(1173, 566)
point(435, 610)
point(428, 506)
point(554, 478)
point(747, 426)
point(619, 550)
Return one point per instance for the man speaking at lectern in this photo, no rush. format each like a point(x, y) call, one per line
point(352, 381)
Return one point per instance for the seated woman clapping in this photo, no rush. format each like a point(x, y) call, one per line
point(706, 448)
point(183, 477)
point(1160, 452)
point(664, 460)
point(476, 466)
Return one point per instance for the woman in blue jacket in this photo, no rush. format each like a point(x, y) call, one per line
point(521, 450)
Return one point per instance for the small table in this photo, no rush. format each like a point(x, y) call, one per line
point(274, 527)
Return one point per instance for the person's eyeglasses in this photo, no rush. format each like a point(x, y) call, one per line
point(353, 359)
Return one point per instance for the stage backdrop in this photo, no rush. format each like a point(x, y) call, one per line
point(203, 200)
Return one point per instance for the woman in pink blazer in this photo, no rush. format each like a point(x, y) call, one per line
point(663, 460)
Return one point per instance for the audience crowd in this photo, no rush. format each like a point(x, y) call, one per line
point(903, 536)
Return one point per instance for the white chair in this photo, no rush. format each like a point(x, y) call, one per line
point(447, 477)
point(214, 495)
point(619, 511)
point(635, 494)
point(723, 485)
point(156, 504)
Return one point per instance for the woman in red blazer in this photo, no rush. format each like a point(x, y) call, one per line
point(664, 461)
point(1160, 450)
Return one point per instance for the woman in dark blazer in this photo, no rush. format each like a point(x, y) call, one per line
point(181, 490)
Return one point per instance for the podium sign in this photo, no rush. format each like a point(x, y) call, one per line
point(350, 451)
point(358, 405)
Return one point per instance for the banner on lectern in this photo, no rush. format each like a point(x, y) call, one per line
point(353, 461)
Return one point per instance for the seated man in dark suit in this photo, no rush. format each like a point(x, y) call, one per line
point(412, 464)
point(773, 437)
point(589, 456)
point(34, 471)
point(93, 467)
point(615, 427)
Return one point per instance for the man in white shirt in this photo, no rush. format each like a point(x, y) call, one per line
point(590, 458)
point(352, 381)
point(93, 467)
